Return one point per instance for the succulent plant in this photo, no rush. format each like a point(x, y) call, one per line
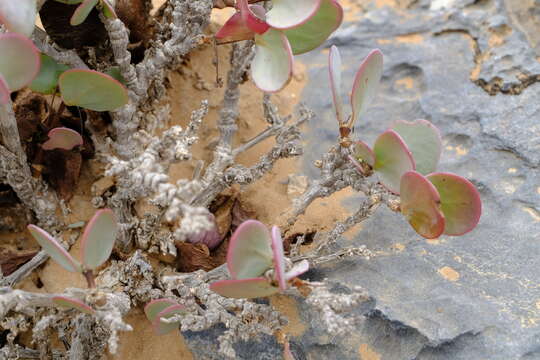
point(290, 28)
point(46, 82)
point(62, 138)
point(83, 10)
point(19, 64)
point(159, 309)
point(405, 158)
point(256, 263)
point(97, 244)
point(19, 16)
point(71, 303)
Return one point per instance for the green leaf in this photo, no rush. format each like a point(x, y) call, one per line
point(162, 328)
point(47, 79)
point(334, 70)
point(82, 12)
point(392, 159)
point(108, 9)
point(19, 15)
point(420, 204)
point(19, 60)
point(54, 249)
point(154, 307)
point(460, 202)
point(366, 83)
point(70, 303)
point(92, 90)
point(249, 254)
point(272, 65)
point(114, 72)
point(363, 152)
point(62, 138)
point(98, 239)
point(244, 289)
point(424, 141)
point(317, 29)
point(286, 14)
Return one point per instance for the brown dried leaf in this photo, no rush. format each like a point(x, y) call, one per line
point(11, 260)
point(63, 168)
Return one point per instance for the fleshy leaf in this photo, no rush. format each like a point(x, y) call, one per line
point(392, 159)
point(18, 15)
point(254, 17)
point(317, 29)
point(286, 14)
point(244, 289)
point(363, 152)
point(460, 202)
point(98, 238)
point(366, 83)
point(4, 91)
point(92, 90)
point(279, 258)
point(70, 303)
point(287, 354)
point(420, 204)
point(82, 12)
point(334, 69)
point(154, 307)
point(162, 328)
point(249, 254)
point(54, 249)
point(297, 270)
point(70, 2)
point(19, 60)
point(424, 141)
point(108, 9)
point(272, 65)
point(234, 29)
point(62, 138)
point(47, 79)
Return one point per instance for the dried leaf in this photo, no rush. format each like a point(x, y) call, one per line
point(63, 169)
point(11, 260)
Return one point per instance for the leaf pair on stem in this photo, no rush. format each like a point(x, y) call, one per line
point(405, 158)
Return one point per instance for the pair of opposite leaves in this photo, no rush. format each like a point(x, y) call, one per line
point(290, 28)
point(405, 158)
point(96, 246)
point(252, 252)
point(21, 65)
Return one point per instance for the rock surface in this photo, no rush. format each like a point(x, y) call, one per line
point(473, 69)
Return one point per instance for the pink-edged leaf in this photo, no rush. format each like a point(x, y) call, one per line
point(98, 238)
point(392, 159)
point(317, 28)
point(18, 15)
point(254, 17)
point(297, 270)
point(19, 60)
point(154, 307)
point(250, 253)
point(92, 90)
point(286, 14)
point(460, 202)
point(62, 138)
point(82, 12)
point(54, 249)
point(363, 152)
point(334, 70)
point(366, 83)
point(108, 9)
point(4, 91)
point(272, 66)
point(420, 204)
point(70, 303)
point(162, 328)
point(279, 258)
point(244, 289)
point(46, 82)
point(423, 140)
point(235, 29)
